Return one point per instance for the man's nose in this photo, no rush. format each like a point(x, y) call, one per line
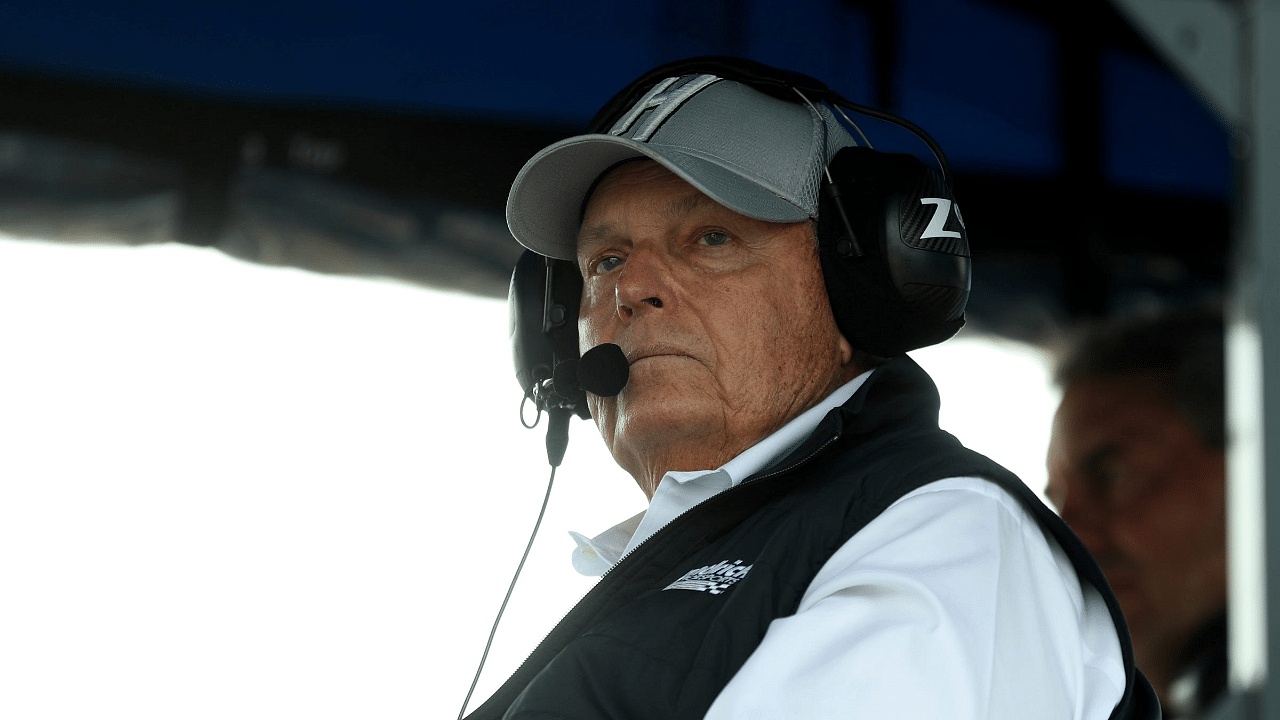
point(644, 284)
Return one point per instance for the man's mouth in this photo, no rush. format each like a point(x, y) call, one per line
point(648, 352)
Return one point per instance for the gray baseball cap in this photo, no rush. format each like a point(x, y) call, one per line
point(754, 153)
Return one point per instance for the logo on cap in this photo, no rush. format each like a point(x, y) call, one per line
point(664, 99)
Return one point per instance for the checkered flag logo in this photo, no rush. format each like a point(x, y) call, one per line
point(714, 579)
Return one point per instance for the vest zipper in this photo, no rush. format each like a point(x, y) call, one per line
point(750, 480)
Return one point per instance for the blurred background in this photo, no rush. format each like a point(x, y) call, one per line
point(260, 452)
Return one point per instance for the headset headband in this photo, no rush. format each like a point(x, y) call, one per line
point(779, 83)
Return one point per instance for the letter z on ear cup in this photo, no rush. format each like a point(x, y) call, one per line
point(908, 285)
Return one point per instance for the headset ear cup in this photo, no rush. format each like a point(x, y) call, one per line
point(531, 350)
point(542, 304)
point(909, 285)
point(560, 327)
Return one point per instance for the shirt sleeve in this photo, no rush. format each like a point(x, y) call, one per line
point(953, 603)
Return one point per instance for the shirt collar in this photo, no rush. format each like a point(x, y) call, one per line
point(594, 556)
point(777, 446)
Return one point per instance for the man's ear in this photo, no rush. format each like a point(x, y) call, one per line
point(846, 350)
point(854, 361)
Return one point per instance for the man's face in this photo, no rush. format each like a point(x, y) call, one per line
point(724, 319)
point(1134, 480)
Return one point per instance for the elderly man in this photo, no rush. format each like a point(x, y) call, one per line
point(814, 546)
point(1136, 465)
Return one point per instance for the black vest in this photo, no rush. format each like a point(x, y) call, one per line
point(631, 649)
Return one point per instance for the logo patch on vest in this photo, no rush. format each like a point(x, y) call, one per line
point(713, 579)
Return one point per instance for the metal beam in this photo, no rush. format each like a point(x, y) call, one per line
point(1253, 355)
point(1201, 39)
point(1231, 53)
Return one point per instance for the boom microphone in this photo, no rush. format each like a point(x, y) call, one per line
point(603, 370)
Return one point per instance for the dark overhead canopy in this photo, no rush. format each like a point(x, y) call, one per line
point(380, 137)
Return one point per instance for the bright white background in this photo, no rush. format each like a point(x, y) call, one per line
point(229, 490)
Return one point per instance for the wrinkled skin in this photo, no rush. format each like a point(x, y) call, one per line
point(1138, 485)
point(724, 320)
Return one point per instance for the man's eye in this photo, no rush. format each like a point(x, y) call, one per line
point(608, 263)
point(1116, 482)
point(714, 239)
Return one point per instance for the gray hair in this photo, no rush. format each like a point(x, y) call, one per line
point(1181, 350)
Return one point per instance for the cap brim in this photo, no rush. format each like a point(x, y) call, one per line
point(545, 204)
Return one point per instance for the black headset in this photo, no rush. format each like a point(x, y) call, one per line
point(893, 246)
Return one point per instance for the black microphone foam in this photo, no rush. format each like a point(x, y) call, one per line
point(603, 370)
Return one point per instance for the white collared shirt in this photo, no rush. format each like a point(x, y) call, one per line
point(679, 491)
point(952, 603)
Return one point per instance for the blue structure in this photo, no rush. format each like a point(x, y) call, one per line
point(379, 137)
